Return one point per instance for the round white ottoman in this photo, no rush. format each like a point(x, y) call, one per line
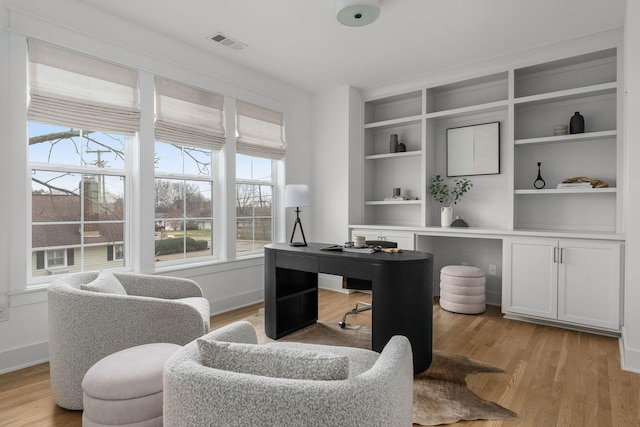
point(462, 289)
point(125, 388)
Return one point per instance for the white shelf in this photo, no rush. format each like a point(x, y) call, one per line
point(589, 136)
point(392, 202)
point(393, 122)
point(465, 111)
point(415, 153)
point(561, 95)
point(568, 191)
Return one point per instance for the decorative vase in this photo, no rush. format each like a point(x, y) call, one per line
point(402, 148)
point(576, 125)
point(539, 182)
point(446, 216)
point(393, 143)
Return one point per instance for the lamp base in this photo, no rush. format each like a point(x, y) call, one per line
point(297, 244)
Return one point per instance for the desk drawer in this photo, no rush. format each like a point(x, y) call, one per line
point(297, 262)
point(346, 268)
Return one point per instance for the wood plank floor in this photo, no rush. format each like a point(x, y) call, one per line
point(553, 377)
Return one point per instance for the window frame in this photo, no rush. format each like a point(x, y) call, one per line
point(273, 183)
point(122, 173)
point(212, 178)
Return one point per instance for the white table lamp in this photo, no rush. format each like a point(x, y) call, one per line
point(296, 195)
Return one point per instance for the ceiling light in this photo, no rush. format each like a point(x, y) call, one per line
point(356, 13)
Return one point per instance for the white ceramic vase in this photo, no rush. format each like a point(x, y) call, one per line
point(446, 216)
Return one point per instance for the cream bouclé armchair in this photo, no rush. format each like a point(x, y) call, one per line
point(87, 322)
point(376, 389)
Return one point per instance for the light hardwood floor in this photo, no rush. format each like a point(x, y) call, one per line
point(553, 377)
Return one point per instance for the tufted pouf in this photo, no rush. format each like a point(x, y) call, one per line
point(125, 388)
point(462, 289)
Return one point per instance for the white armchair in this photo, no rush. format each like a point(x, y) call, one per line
point(378, 390)
point(85, 325)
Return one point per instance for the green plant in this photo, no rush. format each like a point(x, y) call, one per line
point(443, 194)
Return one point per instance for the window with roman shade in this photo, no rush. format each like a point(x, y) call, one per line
point(72, 89)
point(189, 116)
point(189, 133)
point(260, 131)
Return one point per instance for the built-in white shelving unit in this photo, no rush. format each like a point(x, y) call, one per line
point(559, 259)
point(529, 102)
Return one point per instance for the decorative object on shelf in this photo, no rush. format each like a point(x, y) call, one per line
point(446, 216)
point(396, 192)
point(296, 195)
point(539, 182)
point(401, 147)
point(561, 130)
point(580, 181)
point(443, 194)
point(576, 125)
point(393, 143)
point(459, 222)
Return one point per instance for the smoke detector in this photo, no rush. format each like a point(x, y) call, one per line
point(227, 41)
point(357, 13)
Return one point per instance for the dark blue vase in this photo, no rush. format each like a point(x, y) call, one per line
point(577, 123)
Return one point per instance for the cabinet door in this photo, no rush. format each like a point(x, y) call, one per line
point(589, 284)
point(530, 277)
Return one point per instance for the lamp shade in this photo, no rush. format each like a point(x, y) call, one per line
point(296, 195)
point(356, 13)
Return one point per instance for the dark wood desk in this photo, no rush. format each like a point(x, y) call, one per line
point(401, 284)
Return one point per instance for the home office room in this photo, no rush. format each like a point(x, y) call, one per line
point(330, 212)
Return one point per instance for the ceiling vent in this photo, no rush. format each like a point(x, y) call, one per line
point(227, 41)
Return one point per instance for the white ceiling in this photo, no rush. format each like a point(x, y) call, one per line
point(301, 42)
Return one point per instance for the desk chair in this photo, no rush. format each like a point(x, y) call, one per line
point(362, 285)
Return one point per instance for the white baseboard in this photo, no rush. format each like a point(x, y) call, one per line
point(222, 305)
point(23, 357)
point(629, 357)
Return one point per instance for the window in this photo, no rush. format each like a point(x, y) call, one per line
point(77, 198)
point(254, 207)
point(189, 133)
point(183, 202)
point(83, 116)
point(260, 145)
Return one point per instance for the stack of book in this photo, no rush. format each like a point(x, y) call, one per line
point(574, 185)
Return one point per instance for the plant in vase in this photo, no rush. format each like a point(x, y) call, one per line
point(443, 194)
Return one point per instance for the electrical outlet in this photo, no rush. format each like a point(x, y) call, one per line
point(492, 270)
point(4, 312)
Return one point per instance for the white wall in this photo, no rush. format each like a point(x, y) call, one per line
point(631, 331)
point(330, 154)
point(23, 338)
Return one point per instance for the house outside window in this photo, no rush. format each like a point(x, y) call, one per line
point(77, 199)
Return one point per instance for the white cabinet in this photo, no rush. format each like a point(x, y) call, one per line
point(572, 281)
point(405, 240)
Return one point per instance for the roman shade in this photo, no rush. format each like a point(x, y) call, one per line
point(260, 131)
point(189, 116)
point(72, 89)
